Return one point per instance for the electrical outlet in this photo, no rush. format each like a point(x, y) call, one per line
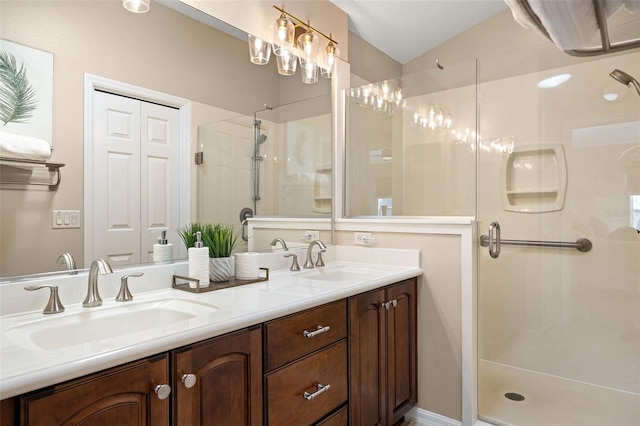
point(311, 235)
point(362, 238)
point(65, 219)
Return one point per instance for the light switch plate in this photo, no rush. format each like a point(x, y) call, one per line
point(65, 219)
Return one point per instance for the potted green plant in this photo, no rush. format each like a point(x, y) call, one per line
point(220, 240)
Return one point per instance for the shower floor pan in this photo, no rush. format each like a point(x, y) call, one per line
point(550, 400)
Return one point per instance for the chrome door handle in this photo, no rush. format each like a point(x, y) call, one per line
point(321, 389)
point(494, 239)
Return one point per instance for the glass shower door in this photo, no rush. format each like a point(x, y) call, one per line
point(559, 328)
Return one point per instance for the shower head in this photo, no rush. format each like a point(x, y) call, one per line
point(625, 79)
point(262, 139)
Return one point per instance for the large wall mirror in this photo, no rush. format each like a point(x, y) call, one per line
point(237, 110)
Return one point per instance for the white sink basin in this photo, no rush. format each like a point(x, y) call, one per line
point(105, 322)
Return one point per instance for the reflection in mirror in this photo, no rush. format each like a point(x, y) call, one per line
point(168, 52)
point(407, 154)
point(276, 163)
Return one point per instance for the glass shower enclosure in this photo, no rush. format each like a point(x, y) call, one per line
point(559, 328)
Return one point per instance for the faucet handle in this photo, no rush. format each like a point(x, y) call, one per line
point(320, 261)
point(294, 264)
point(54, 306)
point(124, 295)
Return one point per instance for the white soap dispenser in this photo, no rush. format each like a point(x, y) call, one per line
point(199, 263)
point(163, 250)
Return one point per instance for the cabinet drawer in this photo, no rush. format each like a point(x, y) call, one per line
point(285, 339)
point(339, 418)
point(286, 387)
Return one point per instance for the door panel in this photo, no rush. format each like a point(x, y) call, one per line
point(160, 179)
point(115, 193)
point(134, 178)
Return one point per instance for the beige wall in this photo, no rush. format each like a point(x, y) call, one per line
point(369, 63)
point(439, 315)
point(161, 50)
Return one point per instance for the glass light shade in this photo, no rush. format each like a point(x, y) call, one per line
point(398, 95)
point(308, 44)
point(259, 50)
point(287, 62)
point(136, 6)
point(330, 56)
point(283, 33)
point(309, 72)
point(379, 104)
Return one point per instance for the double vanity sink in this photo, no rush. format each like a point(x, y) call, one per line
point(38, 350)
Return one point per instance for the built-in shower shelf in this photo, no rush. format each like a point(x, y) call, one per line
point(534, 179)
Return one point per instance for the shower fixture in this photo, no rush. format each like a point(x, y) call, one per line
point(625, 79)
point(258, 139)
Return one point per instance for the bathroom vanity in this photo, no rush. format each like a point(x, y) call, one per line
point(338, 348)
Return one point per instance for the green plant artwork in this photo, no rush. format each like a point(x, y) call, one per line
point(17, 96)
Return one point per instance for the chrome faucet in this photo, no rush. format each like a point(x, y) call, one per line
point(281, 241)
point(308, 264)
point(98, 266)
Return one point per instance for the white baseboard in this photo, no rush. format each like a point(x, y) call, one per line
point(427, 418)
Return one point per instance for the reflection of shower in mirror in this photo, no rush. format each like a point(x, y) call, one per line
point(258, 139)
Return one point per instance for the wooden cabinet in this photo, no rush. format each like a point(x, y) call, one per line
point(215, 382)
point(382, 354)
point(120, 396)
point(352, 361)
point(306, 374)
point(219, 382)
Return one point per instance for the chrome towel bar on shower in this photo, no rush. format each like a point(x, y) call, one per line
point(582, 244)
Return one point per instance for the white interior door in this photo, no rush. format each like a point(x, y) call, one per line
point(135, 178)
point(160, 178)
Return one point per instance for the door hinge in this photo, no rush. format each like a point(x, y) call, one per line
point(199, 157)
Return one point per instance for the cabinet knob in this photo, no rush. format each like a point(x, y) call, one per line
point(162, 391)
point(391, 303)
point(188, 380)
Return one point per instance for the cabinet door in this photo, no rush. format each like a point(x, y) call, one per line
point(228, 381)
point(401, 350)
point(367, 358)
point(121, 396)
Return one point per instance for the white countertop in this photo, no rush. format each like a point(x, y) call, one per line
point(25, 367)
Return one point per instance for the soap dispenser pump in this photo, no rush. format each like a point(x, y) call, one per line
point(163, 250)
point(199, 263)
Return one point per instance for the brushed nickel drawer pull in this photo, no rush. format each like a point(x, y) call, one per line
point(319, 330)
point(321, 388)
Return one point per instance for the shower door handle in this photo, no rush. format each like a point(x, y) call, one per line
point(494, 239)
point(245, 237)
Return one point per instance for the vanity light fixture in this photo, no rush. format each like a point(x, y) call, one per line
point(295, 42)
point(136, 6)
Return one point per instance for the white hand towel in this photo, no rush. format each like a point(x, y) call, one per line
point(23, 147)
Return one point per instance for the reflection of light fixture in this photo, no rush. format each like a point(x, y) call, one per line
point(433, 118)
point(259, 50)
point(136, 6)
point(304, 48)
point(554, 81)
point(382, 97)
